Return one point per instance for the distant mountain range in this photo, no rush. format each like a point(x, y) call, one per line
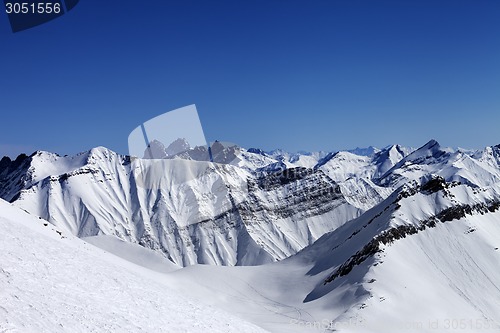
point(260, 208)
point(389, 236)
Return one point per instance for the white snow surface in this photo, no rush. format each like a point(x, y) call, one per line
point(198, 212)
point(443, 278)
point(52, 283)
point(187, 210)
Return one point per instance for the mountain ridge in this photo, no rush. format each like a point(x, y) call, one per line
point(224, 209)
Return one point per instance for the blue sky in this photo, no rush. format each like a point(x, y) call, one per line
point(297, 75)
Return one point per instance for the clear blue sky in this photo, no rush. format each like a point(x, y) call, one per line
point(297, 75)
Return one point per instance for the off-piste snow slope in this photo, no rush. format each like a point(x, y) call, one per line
point(264, 207)
point(398, 241)
point(426, 259)
point(190, 211)
point(51, 281)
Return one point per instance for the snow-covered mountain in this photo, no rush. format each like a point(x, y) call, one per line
point(479, 168)
point(260, 208)
point(425, 259)
point(391, 242)
point(192, 211)
point(51, 281)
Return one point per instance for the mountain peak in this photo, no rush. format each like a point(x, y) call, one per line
point(368, 151)
point(256, 151)
point(155, 150)
point(100, 149)
point(431, 144)
point(178, 146)
point(430, 149)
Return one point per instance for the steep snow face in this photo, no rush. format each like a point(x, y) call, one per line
point(305, 161)
point(44, 164)
point(259, 208)
point(358, 174)
point(191, 211)
point(288, 210)
point(354, 174)
point(253, 159)
point(474, 168)
point(428, 246)
point(420, 162)
point(343, 165)
point(425, 259)
point(53, 282)
point(387, 158)
point(25, 171)
point(489, 156)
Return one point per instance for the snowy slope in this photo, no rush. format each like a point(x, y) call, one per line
point(58, 283)
point(261, 207)
point(355, 173)
point(479, 168)
point(428, 252)
point(382, 272)
point(190, 211)
point(392, 242)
